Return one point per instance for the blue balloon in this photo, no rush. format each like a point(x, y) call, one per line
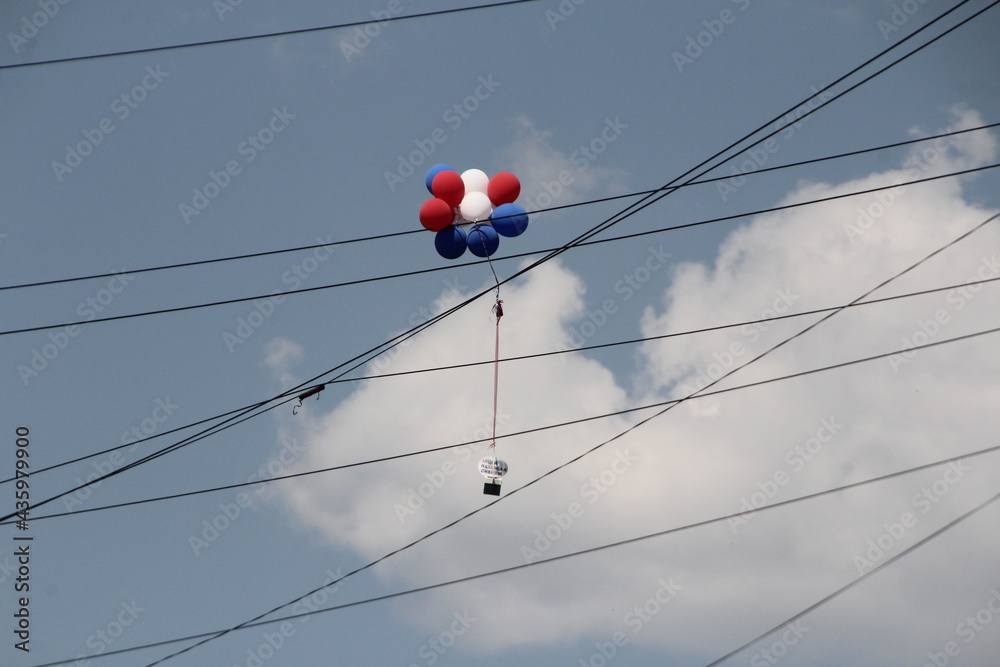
point(434, 171)
point(509, 219)
point(450, 242)
point(483, 240)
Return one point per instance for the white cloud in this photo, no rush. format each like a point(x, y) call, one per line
point(279, 357)
point(707, 456)
point(567, 175)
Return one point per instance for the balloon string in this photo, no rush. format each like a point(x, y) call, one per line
point(498, 309)
point(489, 261)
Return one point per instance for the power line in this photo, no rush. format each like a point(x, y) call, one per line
point(519, 358)
point(644, 339)
point(395, 457)
point(619, 435)
point(610, 222)
point(390, 235)
point(217, 635)
point(417, 329)
point(855, 582)
point(360, 281)
point(649, 200)
point(282, 33)
point(590, 550)
point(627, 212)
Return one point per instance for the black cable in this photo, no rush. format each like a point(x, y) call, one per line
point(129, 444)
point(590, 550)
point(244, 413)
point(282, 33)
point(212, 430)
point(395, 457)
point(537, 355)
point(855, 582)
point(601, 200)
point(645, 339)
point(380, 349)
point(629, 211)
point(405, 274)
point(619, 435)
point(202, 262)
point(648, 201)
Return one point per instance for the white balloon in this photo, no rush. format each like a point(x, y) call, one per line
point(475, 206)
point(475, 180)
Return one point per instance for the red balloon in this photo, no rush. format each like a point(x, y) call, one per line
point(503, 188)
point(448, 185)
point(436, 214)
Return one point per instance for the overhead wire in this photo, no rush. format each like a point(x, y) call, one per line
point(851, 584)
point(651, 199)
point(269, 35)
point(590, 550)
point(391, 235)
point(631, 210)
point(609, 226)
point(578, 457)
point(406, 274)
point(645, 420)
point(617, 413)
point(536, 355)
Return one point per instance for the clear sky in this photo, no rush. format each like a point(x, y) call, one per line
point(116, 164)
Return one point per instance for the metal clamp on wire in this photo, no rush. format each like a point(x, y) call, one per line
point(304, 395)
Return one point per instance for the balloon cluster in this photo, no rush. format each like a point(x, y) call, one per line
point(471, 210)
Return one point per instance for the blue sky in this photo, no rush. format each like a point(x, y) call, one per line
point(326, 136)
